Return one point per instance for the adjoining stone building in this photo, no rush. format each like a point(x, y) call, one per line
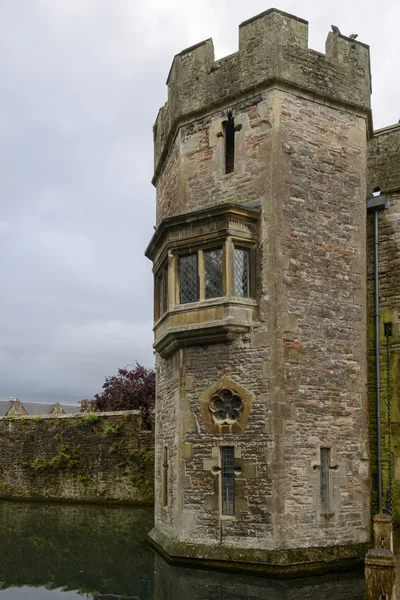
point(259, 260)
point(384, 174)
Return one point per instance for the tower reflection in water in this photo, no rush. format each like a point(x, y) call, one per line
point(98, 552)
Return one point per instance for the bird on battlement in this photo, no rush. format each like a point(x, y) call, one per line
point(336, 29)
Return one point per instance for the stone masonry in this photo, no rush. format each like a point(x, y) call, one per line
point(89, 457)
point(384, 173)
point(292, 351)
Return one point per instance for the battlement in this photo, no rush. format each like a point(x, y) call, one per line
point(384, 160)
point(273, 49)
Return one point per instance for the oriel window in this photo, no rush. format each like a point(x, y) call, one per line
point(202, 275)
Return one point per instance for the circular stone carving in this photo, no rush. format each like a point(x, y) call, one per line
point(226, 406)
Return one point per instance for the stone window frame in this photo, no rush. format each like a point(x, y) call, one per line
point(336, 471)
point(161, 291)
point(227, 244)
point(241, 423)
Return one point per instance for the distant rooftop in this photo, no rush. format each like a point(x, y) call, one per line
point(15, 407)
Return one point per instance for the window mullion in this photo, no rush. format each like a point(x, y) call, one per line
point(200, 272)
point(228, 276)
point(172, 281)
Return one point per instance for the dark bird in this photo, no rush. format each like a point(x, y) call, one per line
point(335, 29)
point(353, 36)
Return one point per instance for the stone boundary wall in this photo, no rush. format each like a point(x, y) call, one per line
point(86, 457)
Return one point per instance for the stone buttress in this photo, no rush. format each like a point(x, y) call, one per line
point(259, 260)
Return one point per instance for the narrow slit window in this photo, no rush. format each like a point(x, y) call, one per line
point(165, 477)
point(325, 480)
point(229, 135)
point(213, 273)
point(189, 287)
point(228, 481)
point(241, 262)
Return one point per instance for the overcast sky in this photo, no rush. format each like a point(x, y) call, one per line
point(81, 84)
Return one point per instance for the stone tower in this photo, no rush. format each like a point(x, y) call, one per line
point(260, 301)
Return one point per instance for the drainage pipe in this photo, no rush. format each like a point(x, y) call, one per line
point(377, 360)
point(375, 204)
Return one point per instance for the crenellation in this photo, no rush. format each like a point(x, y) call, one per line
point(273, 47)
point(383, 160)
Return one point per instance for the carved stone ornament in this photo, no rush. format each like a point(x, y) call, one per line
point(225, 407)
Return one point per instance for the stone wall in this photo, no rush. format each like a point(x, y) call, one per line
point(93, 457)
point(304, 361)
point(384, 173)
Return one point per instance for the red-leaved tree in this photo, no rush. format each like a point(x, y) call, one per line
point(129, 390)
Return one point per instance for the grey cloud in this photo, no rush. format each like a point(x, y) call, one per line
point(81, 86)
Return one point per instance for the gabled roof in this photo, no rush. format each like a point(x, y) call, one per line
point(37, 408)
point(5, 406)
point(34, 408)
point(70, 410)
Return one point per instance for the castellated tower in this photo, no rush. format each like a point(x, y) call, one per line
point(260, 301)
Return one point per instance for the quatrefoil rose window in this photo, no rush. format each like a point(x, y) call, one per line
point(225, 406)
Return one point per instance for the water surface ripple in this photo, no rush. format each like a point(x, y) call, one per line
point(67, 552)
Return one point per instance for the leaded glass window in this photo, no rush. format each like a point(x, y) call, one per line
point(213, 273)
point(165, 477)
point(188, 278)
point(325, 479)
point(241, 266)
point(161, 292)
point(228, 480)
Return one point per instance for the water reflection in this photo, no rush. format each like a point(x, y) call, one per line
point(92, 552)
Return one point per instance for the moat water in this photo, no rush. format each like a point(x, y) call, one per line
point(50, 551)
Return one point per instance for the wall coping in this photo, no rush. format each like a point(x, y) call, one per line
point(114, 413)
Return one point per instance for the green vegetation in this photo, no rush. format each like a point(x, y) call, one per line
point(65, 459)
point(38, 419)
point(113, 429)
point(141, 470)
point(90, 418)
point(113, 449)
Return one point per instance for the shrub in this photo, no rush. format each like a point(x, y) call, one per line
point(90, 418)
